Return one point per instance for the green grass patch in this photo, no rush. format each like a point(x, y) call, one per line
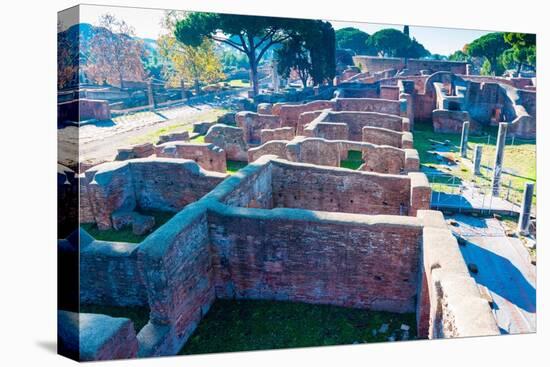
point(234, 166)
point(181, 124)
point(353, 161)
point(125, 234)
point(254, 325)
point(519, 160)
point(138, 315)
point(198, 139)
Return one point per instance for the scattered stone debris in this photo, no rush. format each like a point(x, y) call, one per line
point(453, 222)
point(497, 216)
point(405, 327)
point(473, 268)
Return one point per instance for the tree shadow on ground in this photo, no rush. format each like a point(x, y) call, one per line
point(500, 276)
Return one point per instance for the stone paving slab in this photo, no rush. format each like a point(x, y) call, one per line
point(504, 268)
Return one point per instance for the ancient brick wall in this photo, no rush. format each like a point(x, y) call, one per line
point(327, 258)
point(151, 183)
point(305, 118)
point(327, 130)
point(290, 114)
point(389, 92)
point(254, 190)
point(208, 156)
point(230, 139)
point(274, 147)
point(91, 337)
point(252, 123)
point(176, 265)
point(170, 184)
point(282, 133)
point(109, 275)
point(357, 120)
point(446, 121)
point(329, 189)
point(368, 105)
point(382, 136)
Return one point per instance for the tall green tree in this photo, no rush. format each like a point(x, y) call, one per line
point(491, 46)
point(458, 55)
point(293, 56)
point(251, 35)
point(394, 43)
point(352, 39)
point(523, 50)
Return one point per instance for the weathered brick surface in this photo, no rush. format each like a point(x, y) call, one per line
point(91, 337)
point(176, 265)
point(368, 105)
point(229, 138)
point(290, 114)
point(356, 121)
point(305, 258)
point(208, 156)
point(149, 183)
point(445, 121)
point(274, 147)
point(252, 123)
point(317, 188)
point(109, 275)
point(282, 133)
point(389, 92)
point(304, 119)
point(382, 136)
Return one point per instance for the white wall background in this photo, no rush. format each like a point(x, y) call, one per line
point(28, 189)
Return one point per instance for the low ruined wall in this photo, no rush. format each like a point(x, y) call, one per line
point(176, 265)
point(229, 138)
point(208, 156)
point(339, 190)
point(91, 337)
point(449, 303)
point(151, 183)
point(109, 275)
point(389, 92)
point(290, 114)
point(414, 66)
point(316, 257)
point(305, 118)
point(368, 105)
point(282, 133)
point(355, 122)
point(252, 123)
point(377, 158)
point(382, 136)
point(451, 122)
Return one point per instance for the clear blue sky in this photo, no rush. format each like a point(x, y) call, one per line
point(147, 25)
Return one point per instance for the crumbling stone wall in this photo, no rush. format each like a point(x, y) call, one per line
point(98, 337)
point(368, 105)
point(377, 158)
point(299, 256)
point(339, 190)
point(447, 121)
point(149, 183)
point(290, 114)
point(282, 133)
point(229, 138)
point(208, 156)
point(382, 136)
point(252, 123)
point(355, 122)
point(109, 274)
point(176, 267)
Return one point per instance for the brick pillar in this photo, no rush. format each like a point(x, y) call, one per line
point(525, 214)
point(499, 157)
point(464, 139)
point(477, 159)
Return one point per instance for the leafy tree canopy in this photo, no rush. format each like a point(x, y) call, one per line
point(393, 43)
point(352, 39)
